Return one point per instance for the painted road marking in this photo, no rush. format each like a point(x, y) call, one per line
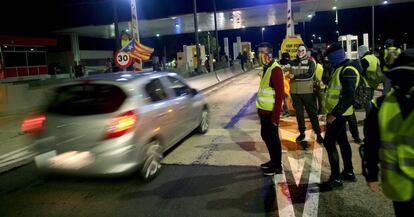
point(241, 113)
point(284, 201)
point(312, 197)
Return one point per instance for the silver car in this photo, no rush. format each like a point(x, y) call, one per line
point(115, 124)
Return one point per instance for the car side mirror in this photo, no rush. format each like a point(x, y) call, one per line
point(193, 91)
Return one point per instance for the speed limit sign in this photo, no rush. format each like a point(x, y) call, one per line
point(122, 59)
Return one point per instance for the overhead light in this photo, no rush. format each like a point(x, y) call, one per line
point(177, 25)
point(231, 19)
point(173, 18)
point(337, 32)
point(310, 15)
point(199, 30)
point(385, 2)
point(158, 35)
point(263, 29)
point(127, 30)
point(5, 46)
point(31, 49)
point(334, 8)
point(243, 27)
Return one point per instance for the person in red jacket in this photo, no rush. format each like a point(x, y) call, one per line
point(269, 104)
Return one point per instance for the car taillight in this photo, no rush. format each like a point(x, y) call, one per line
point(122, 124)
point(33, 123)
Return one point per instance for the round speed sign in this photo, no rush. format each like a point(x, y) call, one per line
point(122, 59)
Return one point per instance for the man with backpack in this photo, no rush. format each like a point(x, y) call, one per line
point(391, 53)
point(339, 105)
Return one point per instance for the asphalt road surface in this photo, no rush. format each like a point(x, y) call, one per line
point(216, 174)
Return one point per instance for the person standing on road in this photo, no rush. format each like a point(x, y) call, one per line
point(302, 73)
point(284, 61)
point(388, 57)
point(269, 106)
point(389, 138)
point(339, 105)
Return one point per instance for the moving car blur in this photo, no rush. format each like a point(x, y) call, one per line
point(115, 124)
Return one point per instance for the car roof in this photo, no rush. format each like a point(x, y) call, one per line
point(125, 76)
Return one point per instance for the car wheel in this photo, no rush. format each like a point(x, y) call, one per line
point(152, 163)
point(203, 127)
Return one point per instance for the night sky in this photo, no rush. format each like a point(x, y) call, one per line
point(39, 18)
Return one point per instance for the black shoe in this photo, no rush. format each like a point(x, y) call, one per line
point(301, 137)
point(272, 171)
point(319, 139)
point(332, 184)
point(358, 141)
point(266, 165)
point(348, 176)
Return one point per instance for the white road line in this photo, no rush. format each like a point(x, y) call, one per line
point(312, 198)
point(297, 166)
point(284, 201)
point(4, 156)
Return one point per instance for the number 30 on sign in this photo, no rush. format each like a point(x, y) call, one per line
point(122, 59)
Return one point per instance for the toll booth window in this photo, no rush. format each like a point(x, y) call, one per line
point(344, 45)
point(155, 90)
point(179, 87)
point(354, 45)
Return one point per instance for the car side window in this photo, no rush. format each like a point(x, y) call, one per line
point(179, 87)
point(155, 90)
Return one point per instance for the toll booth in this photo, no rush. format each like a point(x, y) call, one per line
point(350, 45)
point(190, 56)
point(245, 46)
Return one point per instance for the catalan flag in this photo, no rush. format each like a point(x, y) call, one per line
point(137, 50)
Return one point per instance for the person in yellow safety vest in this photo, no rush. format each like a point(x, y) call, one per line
point(269, 105)
point(319, 86)
point(389, 55)
point(389, 138)
point(371, 71)
point(339, 105)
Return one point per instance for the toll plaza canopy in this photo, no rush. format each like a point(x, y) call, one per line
point(258, 16)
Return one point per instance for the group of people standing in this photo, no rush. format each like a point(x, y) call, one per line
point(337, 83)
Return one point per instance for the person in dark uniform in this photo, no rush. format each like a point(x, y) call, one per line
point(301, 75)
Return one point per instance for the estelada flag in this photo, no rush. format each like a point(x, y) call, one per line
point(137, 50)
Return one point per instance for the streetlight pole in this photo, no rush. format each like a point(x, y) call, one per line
point(196, 36)
point(373, 27)
point(263, 29)
point(215, 27)
point(117, 38)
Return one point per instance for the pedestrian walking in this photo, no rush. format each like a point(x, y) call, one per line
point(389, 138)
point(269, 104)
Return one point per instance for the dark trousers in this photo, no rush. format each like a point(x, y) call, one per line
point(336, 133)
point(353, 126)
point(270, 135)
point(403, 209)
point(309, 102)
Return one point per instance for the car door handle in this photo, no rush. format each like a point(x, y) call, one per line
point(161, 115)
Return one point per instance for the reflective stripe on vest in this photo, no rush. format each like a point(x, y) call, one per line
point(266, 94)
point(397, 150)
point(334, 90)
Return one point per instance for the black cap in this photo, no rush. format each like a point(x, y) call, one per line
point(333, 47)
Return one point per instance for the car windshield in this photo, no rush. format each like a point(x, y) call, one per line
point(86, 99)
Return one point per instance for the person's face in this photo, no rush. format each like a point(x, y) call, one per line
point(301, 51)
